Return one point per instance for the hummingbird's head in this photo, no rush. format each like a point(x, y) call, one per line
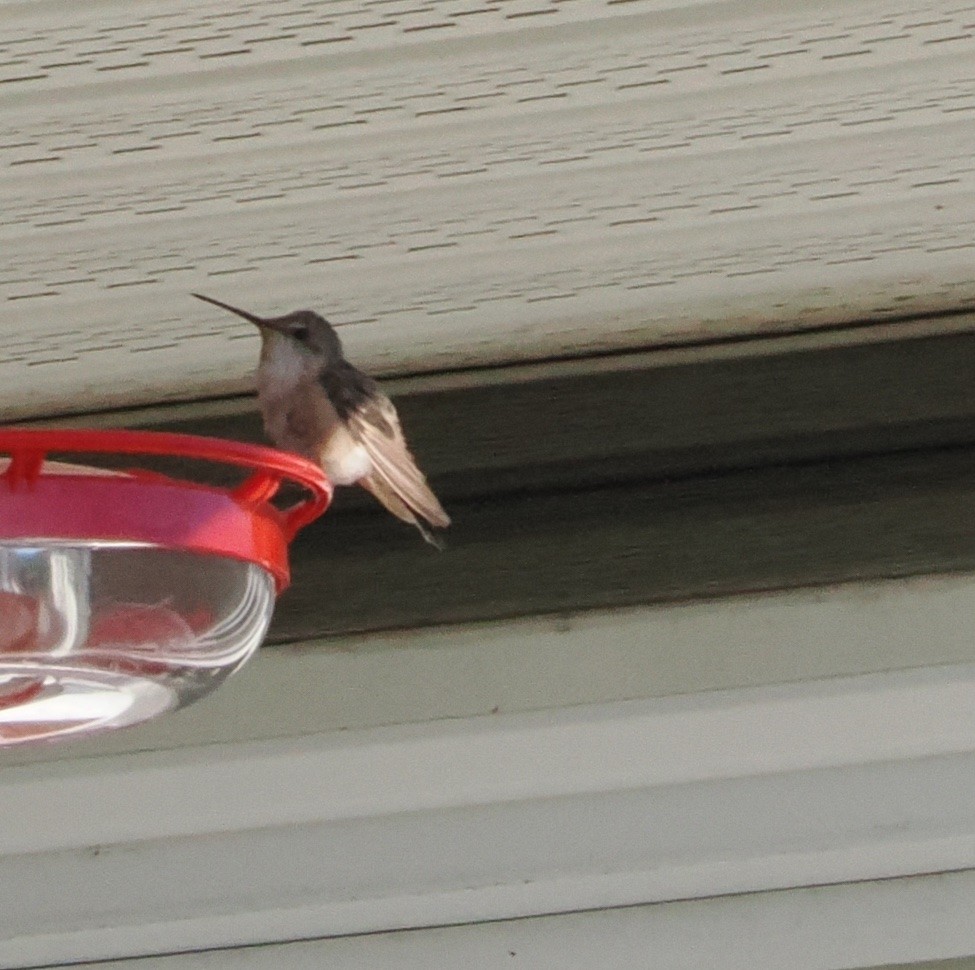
point(310, 331)
point(313, 334)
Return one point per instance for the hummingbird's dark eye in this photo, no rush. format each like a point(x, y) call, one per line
point(299, 333)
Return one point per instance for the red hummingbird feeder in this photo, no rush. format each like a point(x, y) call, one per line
point(127, 594)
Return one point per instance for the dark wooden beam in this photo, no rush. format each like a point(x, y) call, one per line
point(712, 535)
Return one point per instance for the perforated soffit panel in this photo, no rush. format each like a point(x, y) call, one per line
point(466, 182)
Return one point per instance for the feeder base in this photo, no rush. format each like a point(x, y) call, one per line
point(49, 702)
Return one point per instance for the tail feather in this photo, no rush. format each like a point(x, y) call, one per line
point(385, 495)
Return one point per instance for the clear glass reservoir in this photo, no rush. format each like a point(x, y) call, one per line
point(110, 634)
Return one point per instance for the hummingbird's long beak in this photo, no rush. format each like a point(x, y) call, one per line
point(257, 321)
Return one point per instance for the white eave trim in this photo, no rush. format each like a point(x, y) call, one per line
point(838, 927)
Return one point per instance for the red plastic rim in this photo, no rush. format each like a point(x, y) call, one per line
point(147, 508)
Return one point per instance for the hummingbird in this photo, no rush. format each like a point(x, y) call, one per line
point(318, 405)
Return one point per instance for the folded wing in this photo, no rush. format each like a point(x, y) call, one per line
point(395, 479)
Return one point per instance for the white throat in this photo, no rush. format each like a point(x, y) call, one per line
point(283, 366)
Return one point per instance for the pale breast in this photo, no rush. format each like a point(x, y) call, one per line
point(299, 416)
point(344, 460)
point(287, 394)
